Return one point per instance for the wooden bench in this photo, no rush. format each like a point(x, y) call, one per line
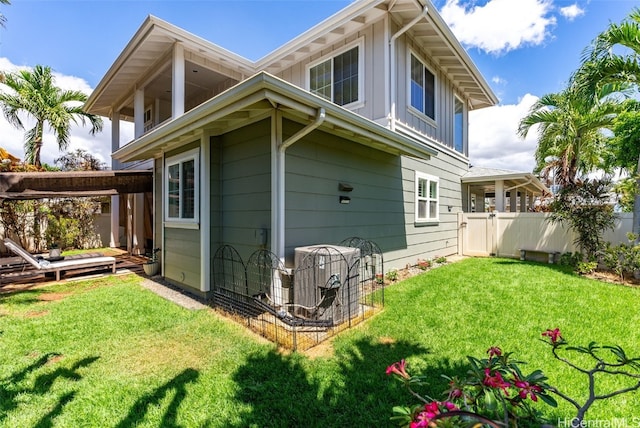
point(551, 256)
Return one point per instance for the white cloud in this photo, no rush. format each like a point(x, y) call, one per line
point(571, 12)
point(493, 139)
point(98, 145)
point(499, 80)
point(500, 26)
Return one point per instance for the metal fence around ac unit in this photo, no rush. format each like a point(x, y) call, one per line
point(331, 288)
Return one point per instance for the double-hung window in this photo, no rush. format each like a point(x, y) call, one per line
point(427, 198)
point(422, 88)
point(181, 187)
point(339, 78)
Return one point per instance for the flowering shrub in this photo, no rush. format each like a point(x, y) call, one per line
point(424, 264)
point(496, 389)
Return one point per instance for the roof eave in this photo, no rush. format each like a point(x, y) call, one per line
point(265, 86)
point(150, 24)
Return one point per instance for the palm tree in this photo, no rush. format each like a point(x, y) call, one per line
point(612, 60)
point(34, 93)
point(3, 19)
point(571, 132)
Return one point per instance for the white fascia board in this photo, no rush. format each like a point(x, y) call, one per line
point(193, 42)
point(525, 176)
point(200, 45)
point(455, 45)
point(339, 18)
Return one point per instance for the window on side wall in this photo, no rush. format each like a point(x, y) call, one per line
point(338, 78)
point(427, 198)
point(422, 88)
point(458, 126)
point(181, 188)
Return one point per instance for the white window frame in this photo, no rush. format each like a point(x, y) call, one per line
point(429, 179)
point(180, 159)
point(330, 57)
point(464, 125)
point(415, 110)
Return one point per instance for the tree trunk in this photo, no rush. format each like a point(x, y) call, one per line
point(636, 205)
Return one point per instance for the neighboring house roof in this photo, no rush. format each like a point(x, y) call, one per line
point(486, 178)
point(255, 99)
point(153, 42)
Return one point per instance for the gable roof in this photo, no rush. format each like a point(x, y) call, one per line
point(153, 41)
point(486, 178)
point(255, 99)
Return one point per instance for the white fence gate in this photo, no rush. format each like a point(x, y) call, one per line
point(504, 234)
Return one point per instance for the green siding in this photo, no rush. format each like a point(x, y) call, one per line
point(181, 247)
point(382, 200)
point(244, 177)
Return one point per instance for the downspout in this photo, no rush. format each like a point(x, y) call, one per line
point(279, 213)
point(392, 65)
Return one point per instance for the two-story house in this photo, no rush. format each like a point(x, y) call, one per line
point(357, 127)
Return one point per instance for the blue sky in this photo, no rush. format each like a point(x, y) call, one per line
point(524, 48)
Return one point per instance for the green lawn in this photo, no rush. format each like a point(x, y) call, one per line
point(109, 353)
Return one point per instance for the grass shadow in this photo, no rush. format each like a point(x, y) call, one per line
point(142, 406)
point(290, 390)
point(11, 395)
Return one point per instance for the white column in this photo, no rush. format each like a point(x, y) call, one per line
point(138, 224)
point(129, 223)
point(513, 200)
point(138, 113)
point(480, 208)
point(177, 81)
point(114, 238)
point(500, 196)
point(205, 213)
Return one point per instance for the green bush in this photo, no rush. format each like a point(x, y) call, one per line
point(624, 258)
point(570, 259)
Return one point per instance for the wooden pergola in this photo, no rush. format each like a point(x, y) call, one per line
point(43, 185)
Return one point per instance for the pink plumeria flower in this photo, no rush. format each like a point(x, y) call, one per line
point(553, 335)
point(494, 350)
point(527, 390)
point(399, 369)
point(496, 381)
point(450, 406)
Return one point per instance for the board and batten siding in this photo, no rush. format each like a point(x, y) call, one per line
point(374, 66)
point(245, 188)
point(441, 130)
point(376, 105)
point(181, 262)
point(382, 201)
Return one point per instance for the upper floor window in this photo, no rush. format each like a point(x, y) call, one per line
point(339, 78)
point(422, 88)
point(458, 126)
point(181, 187)
point(427, 198)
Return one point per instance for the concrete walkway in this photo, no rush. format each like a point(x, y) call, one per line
point(164, 290)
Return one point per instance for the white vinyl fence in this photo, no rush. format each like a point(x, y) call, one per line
point(505, 234)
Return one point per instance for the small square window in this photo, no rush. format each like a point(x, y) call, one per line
point(427, 198)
